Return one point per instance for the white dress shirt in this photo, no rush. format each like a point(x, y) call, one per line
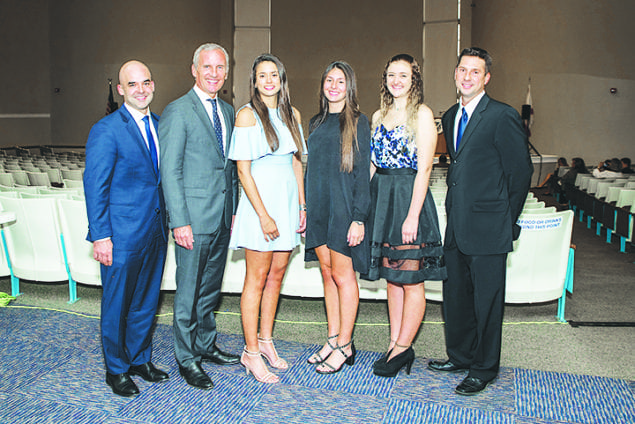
point(469, 109)
point(210, 112)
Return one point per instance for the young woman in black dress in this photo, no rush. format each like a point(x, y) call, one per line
point(403, 227)
point(338, 198)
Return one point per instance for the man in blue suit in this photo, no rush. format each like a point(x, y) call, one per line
point(201, 193)
point(126, 220)
point(488, 181)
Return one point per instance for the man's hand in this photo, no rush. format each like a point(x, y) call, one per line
point(102, 251)
point(183, 237)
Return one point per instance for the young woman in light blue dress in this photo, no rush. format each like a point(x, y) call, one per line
point(267, 146)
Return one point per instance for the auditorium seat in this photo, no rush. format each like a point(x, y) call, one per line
point(540, 268)
point(82, 267)
point(33, 241)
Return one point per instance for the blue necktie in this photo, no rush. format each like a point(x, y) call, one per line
point(462, 125)
point(151, 145)
point(218, 128)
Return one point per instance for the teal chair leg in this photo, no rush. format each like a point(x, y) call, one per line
point(608, 235)
point(15, 281)
point(598, 228)
point(588, 221)
point(568, 285)
point(15, 285)
point(72, 285)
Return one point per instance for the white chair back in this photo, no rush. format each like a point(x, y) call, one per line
point(38, 178)
point(79, 252)
point(537, 268)
point(626, 198)
point(585, 181)
point(603, 187)
point(541, 211)
point(72, 174)
point(534, 205)
point(169, 270)
point(6, 179)
point(33, 241)
point(73, 184)
point(20, 177)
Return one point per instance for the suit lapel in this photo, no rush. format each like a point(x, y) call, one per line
point(449, 137)
point(135, 134)
point(201, 112)
point(475, 119)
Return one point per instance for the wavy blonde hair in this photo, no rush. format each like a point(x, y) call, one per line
point(415, 95)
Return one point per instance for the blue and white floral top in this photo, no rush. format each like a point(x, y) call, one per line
point(393, 149)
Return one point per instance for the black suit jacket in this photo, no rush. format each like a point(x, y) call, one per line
point(488, 179)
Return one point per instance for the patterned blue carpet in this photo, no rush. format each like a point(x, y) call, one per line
point(51, 371)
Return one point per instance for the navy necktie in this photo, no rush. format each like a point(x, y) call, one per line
point(151, 146)
point(462, 125)
point(218, 128)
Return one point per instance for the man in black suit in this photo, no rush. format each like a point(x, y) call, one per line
point(488, 181)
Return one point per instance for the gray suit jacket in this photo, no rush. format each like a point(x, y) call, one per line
point(199, 186)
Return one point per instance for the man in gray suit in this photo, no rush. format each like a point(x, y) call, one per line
point(200, 187)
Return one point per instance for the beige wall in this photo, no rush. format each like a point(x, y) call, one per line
point(574, 51)
point(363, 33)
point(91, 39)
point(25, 84)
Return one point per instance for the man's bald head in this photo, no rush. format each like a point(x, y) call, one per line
point(136, 85)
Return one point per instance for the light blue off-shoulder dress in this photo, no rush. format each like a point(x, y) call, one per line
point(276, 183)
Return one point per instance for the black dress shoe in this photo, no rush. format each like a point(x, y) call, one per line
point(471, 386)
point(122, 384)
point(195, 376)
point(148, 372)
point(219, 357)
point(445, 366)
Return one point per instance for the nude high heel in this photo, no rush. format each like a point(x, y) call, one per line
point(268, 377)
point(275, 361)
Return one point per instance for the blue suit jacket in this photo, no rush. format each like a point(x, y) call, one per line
point(124, 200)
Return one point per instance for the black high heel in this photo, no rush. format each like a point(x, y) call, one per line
point(386, 355)
point(392, 367)
point(350, 360)
point(316, 358)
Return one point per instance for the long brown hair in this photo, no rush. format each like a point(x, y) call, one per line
point(415, 96)
point(284, 105)
point(348, 117)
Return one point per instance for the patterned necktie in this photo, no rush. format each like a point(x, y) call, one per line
point(151, 146)
point(218, 128)
point(462, 125)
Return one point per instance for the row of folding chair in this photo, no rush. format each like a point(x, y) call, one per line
point(65, 192)
point(51, 177)
point(47, 242)
point(607, 202)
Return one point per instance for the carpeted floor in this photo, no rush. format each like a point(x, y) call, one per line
point(51, 366)
point(52, 372)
